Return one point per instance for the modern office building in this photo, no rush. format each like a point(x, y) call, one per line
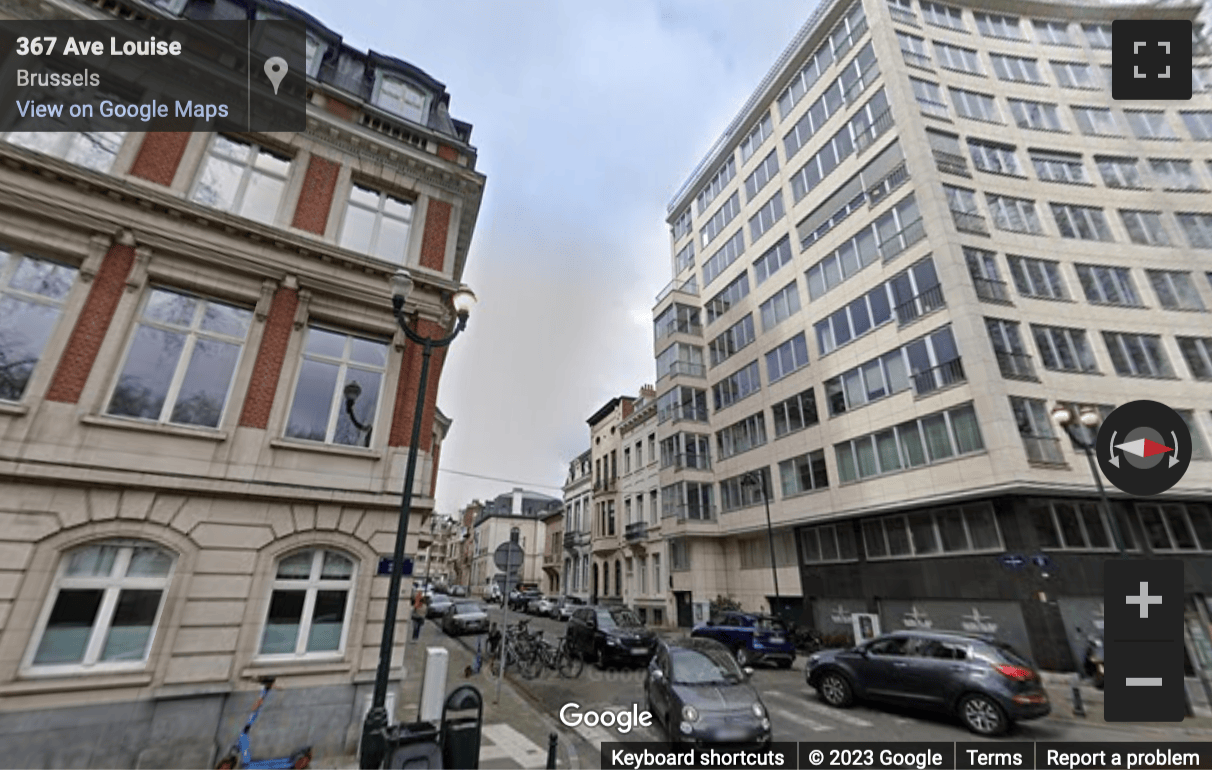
point(928, 226)
point(192, 492)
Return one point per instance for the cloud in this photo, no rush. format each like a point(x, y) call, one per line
point(588, 115)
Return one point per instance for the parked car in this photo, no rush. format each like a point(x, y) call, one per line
point(458, 592)
point(979, 679)
point(698, 694)
point(520, 599)
point(565, 606)
point(610, 635)
point(465, 618)
point(532, 604)
point(493, 593)
point(752, 638)
point(439, 605)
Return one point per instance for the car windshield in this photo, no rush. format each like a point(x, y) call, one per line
point(771, 624)
point(467, 608)
point(703, 666)
point(618, 618)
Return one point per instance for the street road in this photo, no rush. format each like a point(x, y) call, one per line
point(795, 710)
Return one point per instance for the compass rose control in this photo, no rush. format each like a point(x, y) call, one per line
point(1144, 448)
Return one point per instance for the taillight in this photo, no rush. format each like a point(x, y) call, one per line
point(1015, 672)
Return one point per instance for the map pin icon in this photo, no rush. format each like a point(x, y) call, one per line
point(275, 70)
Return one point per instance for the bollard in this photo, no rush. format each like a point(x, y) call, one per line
point(552, 739)
point(1078, 709)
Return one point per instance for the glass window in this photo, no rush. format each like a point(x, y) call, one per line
point(333, 364)
point(1119, 172)
point(91, 149)
point(1145, 227)
point(1084, 223)
point(1199, 124)
point(1014, 214)
point(1138, 355)
point(243, 179)
point(309, 605)
point(1064, 350)
point(994, 25)
point(1175, 290)
point(1052, 32)
point(1197, 351)
point(943, 16)
point(1059, 167)
point(1198, 229)
point(956, 58)
point(1074, 75)
point(993, 157)
point(1175, 174)
point(181, 360)
point(104, 608)
point(1016, 69)
point(32, 292)
point(1038, 116)
point(398, 97)
point(377, 224)
point(1146, 124)
point(1096, 121)
point(1108, 285)
point(977, 106)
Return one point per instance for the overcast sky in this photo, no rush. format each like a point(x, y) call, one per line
point(588, 115)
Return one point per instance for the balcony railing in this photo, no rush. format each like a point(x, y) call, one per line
point(574, 539)
point(679, 413)
point(903, 16)
point(685, 368)
point(950, 163)
point(925, 302)
point(680, 327)
point(989, 290)
point(938, 377)
point(1016, 366)
point(550, 558)
point(683, 512)
point(689, 286)
point(694, 460)
point(880, 190)
point(919, 60)
point(636, 531)
point(605, 485)
point(1044, 449)
point(970, 223)
point(893, 246)
point(866, 137)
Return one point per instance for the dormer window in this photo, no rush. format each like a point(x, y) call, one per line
point(316, 49)
point(396, 96)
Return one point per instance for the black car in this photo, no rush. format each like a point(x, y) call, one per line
point(982, 681)
point(699, 695)
point(611, 636)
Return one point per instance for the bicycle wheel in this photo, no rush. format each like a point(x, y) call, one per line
point(571, 665)
point(530, 665)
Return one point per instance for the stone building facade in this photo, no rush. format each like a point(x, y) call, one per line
point(187, 499)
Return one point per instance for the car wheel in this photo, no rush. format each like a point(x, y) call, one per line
point(982, 715)
point(743, 657)
point(600, 655)
point(784, 664)
point(835, 689)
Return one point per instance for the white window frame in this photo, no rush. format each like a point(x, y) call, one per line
point(1119, 277)
point(1016, 69)
point(1073, 74)
point(1149, 124)
point(958, 59)
point(1197, 227)
point(1036, 116)
point(112, 588)
point(945, 16)
point(1112, 169)
point(994, 157)
point(8, 270)
point(1175, 174)
point(998, 25)
point(1024, 210)
point(414, 113)
point(1051, 339)
point(380, 213)
point(248, 168)
point(311, 585)
point(1083, 223)
point(1064, 168)
point(1052, 32)
point(779, 307)
point(1166, 283)
point(1038, 278)
point(963, 100)
point(344, 364)
point(1145, 227)
point(1096, 121)
point(1156, 358)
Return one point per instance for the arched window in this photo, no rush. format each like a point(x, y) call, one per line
point(309, 606)
point(618, 578)
point(104, 607)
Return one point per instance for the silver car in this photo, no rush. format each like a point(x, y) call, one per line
point(465, 618)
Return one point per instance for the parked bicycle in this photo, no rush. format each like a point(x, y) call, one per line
point(560, 658)
point(805, 639)
point(519, 648)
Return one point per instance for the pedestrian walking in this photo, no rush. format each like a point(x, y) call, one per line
point(418, 614)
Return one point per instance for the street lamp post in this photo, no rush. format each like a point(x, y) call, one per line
point(1079, 427)
point(374, 729)
point(758, 479)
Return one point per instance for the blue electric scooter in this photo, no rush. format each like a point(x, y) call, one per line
point(240, 754)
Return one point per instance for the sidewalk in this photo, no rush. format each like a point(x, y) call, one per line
point(515, 733)
point(1060, 691)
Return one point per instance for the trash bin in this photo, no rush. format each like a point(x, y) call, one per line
point(461, 734)
point(413, 745)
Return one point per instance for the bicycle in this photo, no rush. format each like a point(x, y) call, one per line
point(805, 639)
point(560, 658)
point(519, 652)
point(239, 755)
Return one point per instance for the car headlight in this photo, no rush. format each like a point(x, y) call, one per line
point(690, 714)
point(612, 641)
point(758, 710)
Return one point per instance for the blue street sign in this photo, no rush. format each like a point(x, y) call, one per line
point(1042, 561)
point(1012, 560)
point(385, 563)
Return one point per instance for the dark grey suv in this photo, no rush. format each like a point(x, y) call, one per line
point(982, 681)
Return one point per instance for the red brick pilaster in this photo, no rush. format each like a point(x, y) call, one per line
point(448, 153)
point(338, 108)
point(81, 352)
point(406, 389)
point(263, 386)
point(433, 243)
point(315, 199)
point(159, 156)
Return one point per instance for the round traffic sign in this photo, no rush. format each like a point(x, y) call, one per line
point(508, 557)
